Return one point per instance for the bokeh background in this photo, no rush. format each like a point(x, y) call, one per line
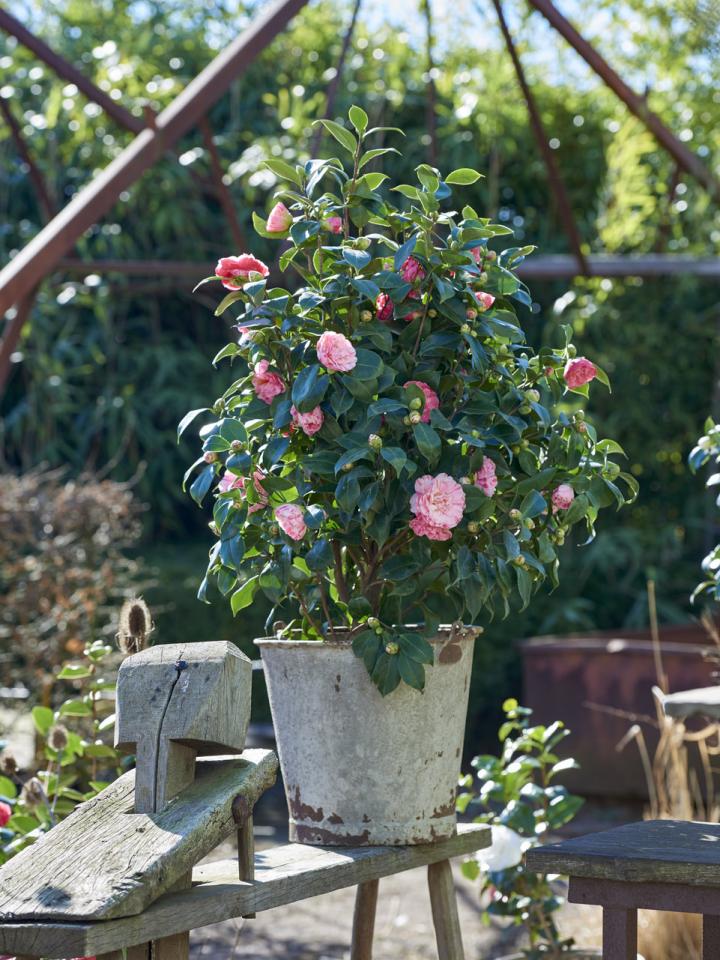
point(107, 365)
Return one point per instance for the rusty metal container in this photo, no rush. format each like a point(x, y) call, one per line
point(359, 768)
point(597, 684)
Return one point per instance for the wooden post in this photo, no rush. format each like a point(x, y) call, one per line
point(444, 911)
point(710, 938)
point(364, 920)
point(173, 702)
point(619, 934)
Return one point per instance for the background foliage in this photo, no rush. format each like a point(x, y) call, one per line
point(107, 366)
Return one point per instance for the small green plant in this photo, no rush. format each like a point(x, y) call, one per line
point(516, 794)
point(705, 451)
point(76, 756)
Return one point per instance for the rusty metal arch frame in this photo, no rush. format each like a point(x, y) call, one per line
point(154, 135)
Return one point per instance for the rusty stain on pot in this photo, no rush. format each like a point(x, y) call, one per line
point(335, 819)
point(303, 811)
point(446, 810)
point(450, 653)
point(337, 683)
point(305, 834)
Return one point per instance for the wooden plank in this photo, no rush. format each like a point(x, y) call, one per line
point(444, 911)
point(283, 875)
point(106, 861)
point(364, 920)
point(619, 934)
point(674, 897)
point(672, 851)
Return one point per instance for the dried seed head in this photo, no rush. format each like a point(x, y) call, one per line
point(32, 794)
point(58, 737)
point(135, 626)
point(8, 764)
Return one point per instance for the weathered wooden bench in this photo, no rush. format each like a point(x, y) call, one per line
point(669, 865)
point(121, 874)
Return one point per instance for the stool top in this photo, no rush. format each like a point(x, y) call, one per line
point(659, 851)
point(704, 701)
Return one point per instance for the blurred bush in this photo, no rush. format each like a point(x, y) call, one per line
point(64, 563)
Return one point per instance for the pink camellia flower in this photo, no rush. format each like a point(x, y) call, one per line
point(485, 300)
point(279, 219)
point(230, 481)
point(291, 521)
point(412, 270)
point(579, 371)
point(384, 308)
point(335, 352)
point(486, 478)
point(433, 531)
point(562, 497)
point(333, 224)
point(438, 500)
point(478, 253)
point(267, 384)
point(310, 422)
point(246, 336)
point(5, 813)
point(235, 271)
point(432, 401)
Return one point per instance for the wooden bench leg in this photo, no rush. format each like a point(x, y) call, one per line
point(619, 934)
point(444, 911)
point(364, 920)
point(711, 938)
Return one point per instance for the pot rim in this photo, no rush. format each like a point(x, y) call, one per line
point(442, 636)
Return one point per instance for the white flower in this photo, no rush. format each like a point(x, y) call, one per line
point(505, 851)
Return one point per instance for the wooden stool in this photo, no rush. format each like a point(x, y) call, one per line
point(654, 865)
point(283, 875)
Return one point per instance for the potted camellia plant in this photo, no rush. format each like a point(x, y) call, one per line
point(388, 457)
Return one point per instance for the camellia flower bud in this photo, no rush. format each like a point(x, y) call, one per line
point(375, 442)
point(373, 622)
point(525, 408)
point(465, 480)
point(490, 255)
point(579, 415)
point(572, 350)
point(58, 737)
point(432, 313)
point(416, 403)
point(473, 527)
point(475, 434)
point(236, 446)
point(581, 427)
point(365, 316)
point(465, 328)
point(362, 243)
point(392, 648)
point(218, 407)
point(470, 313)
point(530, 523)
point(515, 514)
point(548, 371)
point(415, 417)
point(274, 530)
point(533, 395)
point(406, 421)
point(210, 457)
point(483, 278)
point(348, 467)
point(520, 561)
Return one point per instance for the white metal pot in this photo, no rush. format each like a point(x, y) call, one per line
point(360, 768)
